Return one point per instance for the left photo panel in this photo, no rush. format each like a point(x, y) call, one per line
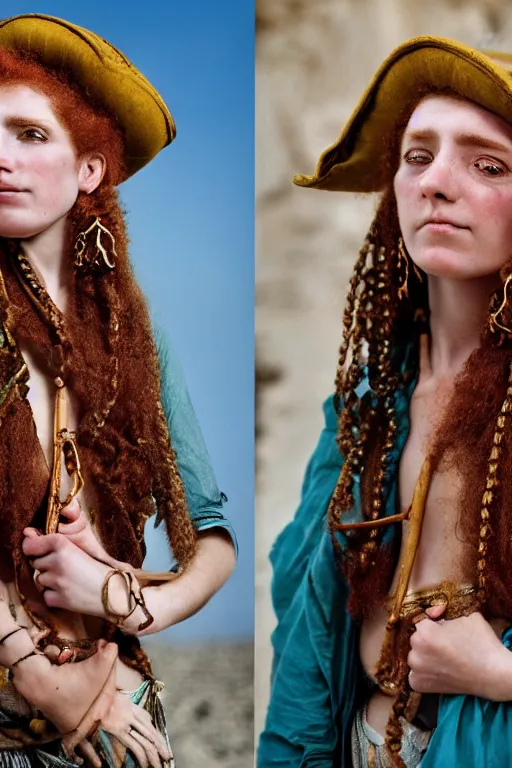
point(127, 384)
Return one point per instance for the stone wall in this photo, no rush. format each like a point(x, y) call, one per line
point(314, 57)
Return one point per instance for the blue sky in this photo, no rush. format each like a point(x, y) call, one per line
point(191, 222)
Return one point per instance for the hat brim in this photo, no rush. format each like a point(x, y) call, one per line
point(106, 74)
point(354, 162)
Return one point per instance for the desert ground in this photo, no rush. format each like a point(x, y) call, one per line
point(208, 699)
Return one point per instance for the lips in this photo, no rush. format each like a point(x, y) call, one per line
point(442, 222)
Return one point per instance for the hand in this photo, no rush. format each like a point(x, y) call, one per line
point(132, 726)
point(71, 579)
point(99, 709)
point(459, 656)
point(79, 530)
point(66, 695)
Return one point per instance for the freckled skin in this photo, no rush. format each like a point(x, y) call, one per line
point(469, 185)
point(37, 157)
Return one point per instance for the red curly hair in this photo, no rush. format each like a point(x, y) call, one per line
point(466, 436)
point(103, 348)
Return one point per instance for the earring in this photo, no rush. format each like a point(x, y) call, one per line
point(494, 324)
point(403, 270)
point(84, 244)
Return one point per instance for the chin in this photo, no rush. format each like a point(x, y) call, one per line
point(17, 230)
point(442, 262)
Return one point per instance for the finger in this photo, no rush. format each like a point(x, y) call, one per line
point(155, 737)
point(149, 748)
point(39, 546)
point(420, 617)
point(53, 652)
point(87, 751)
point(72, 511)
point(77, 522)
point(422, 630)
point(436, 611)
point(53, 599)
point(137, 749)
point(37, 580)
point(95, 714)
point(46, 563)
point(143, 717)
point(32, 533)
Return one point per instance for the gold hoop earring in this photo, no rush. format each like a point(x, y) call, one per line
point(494, 323)
point(100, 257)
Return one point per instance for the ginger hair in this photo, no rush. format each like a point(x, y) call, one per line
point(104, 350)
point(382, 327)
point(474, 434)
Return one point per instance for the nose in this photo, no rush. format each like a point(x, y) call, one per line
point(439, 179)
point(6, 154)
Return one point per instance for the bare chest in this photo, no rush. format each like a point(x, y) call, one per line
point(41, 396)
point(442, 552)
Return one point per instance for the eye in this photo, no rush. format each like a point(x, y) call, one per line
point(33, 134)
point(417, 157)
point(490, 167)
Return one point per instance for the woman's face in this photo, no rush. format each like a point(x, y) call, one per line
point(40, 174)
point(453, 189)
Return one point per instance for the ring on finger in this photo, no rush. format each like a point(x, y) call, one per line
point(37, 575)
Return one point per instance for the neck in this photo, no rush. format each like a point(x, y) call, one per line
point(458, 310)
point(47, 255)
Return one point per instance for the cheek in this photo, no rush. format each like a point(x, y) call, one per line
point(494, 213)
point(57, 183)
point(404, 195)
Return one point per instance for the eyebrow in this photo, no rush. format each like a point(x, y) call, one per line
point(23, 122)
point(462, 139)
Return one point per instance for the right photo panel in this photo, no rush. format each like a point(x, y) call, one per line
point(384, 384)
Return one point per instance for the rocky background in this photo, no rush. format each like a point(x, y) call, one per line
point(313, 60)
point(208, 699)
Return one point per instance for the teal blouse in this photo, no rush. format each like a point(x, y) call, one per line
point(205, 500)
point(317, 680)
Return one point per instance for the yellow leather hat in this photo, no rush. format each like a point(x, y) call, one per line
point(105, 72)
point(354, 162)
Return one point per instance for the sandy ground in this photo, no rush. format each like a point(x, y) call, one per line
point(208, 700)
point(313, 61)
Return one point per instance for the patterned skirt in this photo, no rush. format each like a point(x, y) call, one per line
point(14, 726)
point(369, 751)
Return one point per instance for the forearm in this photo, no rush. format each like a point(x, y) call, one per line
point(30, 675)
point(15, 645)
point(175, 601)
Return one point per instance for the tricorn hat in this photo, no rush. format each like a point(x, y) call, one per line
point(106, 74)
point(353, 163)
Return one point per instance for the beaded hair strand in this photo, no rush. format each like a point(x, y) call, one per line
point(491, 495)
point(369, 320)
point(107, 293)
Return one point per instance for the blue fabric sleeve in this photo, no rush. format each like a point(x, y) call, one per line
point(294, 545)
point(205, 501)
point(313, 679)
